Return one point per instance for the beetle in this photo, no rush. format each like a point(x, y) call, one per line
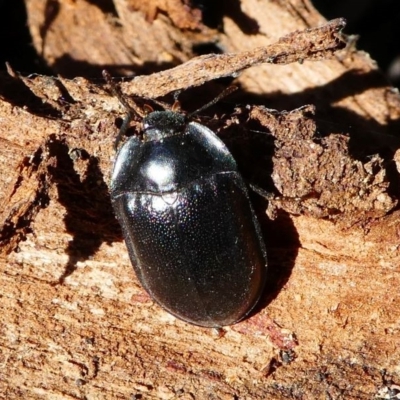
point(191, 232)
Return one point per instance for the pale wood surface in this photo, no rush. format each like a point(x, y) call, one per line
point(75, 322)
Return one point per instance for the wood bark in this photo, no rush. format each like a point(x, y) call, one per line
point(313, 124)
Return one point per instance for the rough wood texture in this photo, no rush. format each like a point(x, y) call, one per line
point(76, 324)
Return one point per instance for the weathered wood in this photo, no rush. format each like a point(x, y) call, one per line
point(75, 322)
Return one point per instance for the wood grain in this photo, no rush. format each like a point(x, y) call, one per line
point(318, 133)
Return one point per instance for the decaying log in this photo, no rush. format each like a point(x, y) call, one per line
point(313, 124)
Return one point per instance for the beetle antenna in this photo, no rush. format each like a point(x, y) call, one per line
point(116, 91)
point(132, 109)
point(224, 93)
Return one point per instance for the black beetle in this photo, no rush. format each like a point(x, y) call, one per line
point(191, 232)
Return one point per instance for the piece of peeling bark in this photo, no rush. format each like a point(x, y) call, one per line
point(318, 177)
point(311, 44)
point(330, 329)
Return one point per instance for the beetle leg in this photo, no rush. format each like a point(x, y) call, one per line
point(262, 192)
